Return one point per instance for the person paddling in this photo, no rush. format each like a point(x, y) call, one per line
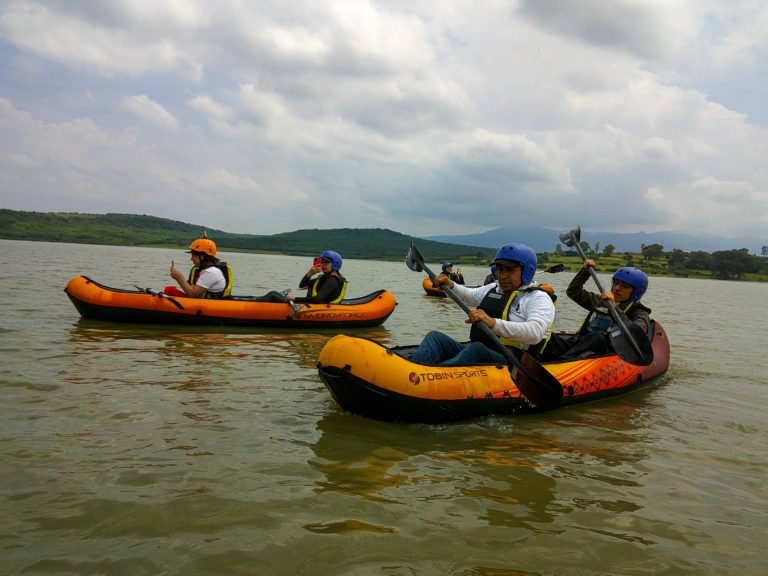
point(628, 287)
point(515, 308)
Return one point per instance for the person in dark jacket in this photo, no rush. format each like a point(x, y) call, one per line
point(329, 287)
point(491, 278)
point(628, 287)
point(456, 277)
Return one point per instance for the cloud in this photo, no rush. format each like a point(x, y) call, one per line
point(425, 117)
point(647, 28)
point(145, 109)
point(123, 38)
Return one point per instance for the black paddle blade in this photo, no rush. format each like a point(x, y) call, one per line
point(414, 260)
point(535, 382)
point(626, 351)
point(555, 269)
point(572, 237)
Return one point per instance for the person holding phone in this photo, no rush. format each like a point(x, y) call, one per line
point(456, 277)
point(209, 276)
point(323, 281)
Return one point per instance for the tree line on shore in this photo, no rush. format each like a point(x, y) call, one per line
point(362, 243)
point(724, 264)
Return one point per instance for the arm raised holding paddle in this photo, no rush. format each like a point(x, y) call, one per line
point(602, 331)
point(512, 309)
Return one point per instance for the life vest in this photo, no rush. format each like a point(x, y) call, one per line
point(317, 282)
point(194, 274)
point(497, 306)
point(599, 321)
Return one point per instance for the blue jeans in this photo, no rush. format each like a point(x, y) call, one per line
point(438, 348)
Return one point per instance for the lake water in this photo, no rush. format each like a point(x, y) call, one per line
point(166, 450)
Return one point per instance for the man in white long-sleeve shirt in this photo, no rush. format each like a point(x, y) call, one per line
point(515, 308)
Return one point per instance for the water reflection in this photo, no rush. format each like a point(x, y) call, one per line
point(516, 472)
point(202, 347)
point(468, 468)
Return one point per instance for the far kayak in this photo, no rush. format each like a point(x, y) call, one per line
point(96, 301)
point(432, 290)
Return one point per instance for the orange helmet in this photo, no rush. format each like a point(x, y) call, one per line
point(203, 245)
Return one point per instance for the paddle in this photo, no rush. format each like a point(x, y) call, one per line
point(294, 306)
point(530, 377)
point(160, 295)
point(630, 342)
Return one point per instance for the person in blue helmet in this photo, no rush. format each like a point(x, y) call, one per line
point(457, 276)
point(514, 307)
point(329, 287)
point(628, 287)
point(491, 278)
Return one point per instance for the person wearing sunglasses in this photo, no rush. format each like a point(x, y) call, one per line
point(456, 277)
point(515, 308)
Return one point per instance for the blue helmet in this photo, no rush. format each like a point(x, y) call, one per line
point(334, 257)
point(635, 278)
point(518, 254)
point(493, 269)
point(446, 265)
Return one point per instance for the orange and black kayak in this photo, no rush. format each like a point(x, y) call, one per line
point(431, 289)
point(96, 301)
point(371, 380)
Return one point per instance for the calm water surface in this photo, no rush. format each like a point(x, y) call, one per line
point(166, 450)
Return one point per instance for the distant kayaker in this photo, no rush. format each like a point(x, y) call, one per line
point(491, 278)
point(628, 287)
point(329, 287)
point(457, 276)
point(208, 278)
point(515, 308)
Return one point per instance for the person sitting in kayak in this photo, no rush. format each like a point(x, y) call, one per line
point(208, 278)
point(457, 276)
point(491, 278)
point(329, 287)
point(628, 287)
point(514, 307)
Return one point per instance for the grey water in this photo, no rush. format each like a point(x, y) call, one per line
point(130, 449)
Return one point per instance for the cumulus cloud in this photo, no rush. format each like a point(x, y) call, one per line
point(149, 111)
point(424, 117)
point(647, 28)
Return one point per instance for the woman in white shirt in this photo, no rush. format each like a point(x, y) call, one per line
point(207, 278)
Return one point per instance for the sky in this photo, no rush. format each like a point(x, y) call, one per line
point(425, 117)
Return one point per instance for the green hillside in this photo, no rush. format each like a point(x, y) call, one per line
point(142, 230)
point(359, 243)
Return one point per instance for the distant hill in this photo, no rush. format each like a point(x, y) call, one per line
point(545, 239)
point(143, 230)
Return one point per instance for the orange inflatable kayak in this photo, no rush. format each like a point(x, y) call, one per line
point(432, 290)
point(371, 380)
point(96, 301)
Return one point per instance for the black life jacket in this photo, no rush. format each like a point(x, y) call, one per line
point(314, 286)
point(497, 306)
point(600, 320)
